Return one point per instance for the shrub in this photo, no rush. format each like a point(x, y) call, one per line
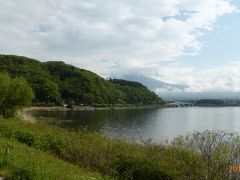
point(25, 137)
point(218, 151)
point(138, 169)
point(51, 143)
point(15, 93)
point(71, 105)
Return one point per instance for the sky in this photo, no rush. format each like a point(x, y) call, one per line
point(190, 42)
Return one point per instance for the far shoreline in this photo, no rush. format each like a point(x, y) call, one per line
point(88, 108)
point(92, 108)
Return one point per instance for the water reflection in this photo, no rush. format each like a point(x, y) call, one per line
point(158, 124)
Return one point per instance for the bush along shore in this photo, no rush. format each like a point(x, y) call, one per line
point(41, 151)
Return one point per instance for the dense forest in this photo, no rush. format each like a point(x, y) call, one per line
point(55, 82)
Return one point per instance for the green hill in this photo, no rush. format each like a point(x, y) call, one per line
point(54, 82)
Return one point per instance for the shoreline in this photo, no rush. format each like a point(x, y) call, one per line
point(88, 108)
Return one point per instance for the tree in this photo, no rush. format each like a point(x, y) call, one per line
point(71, 105)
point(46, 90)
point(15, 93)
point(55, 82)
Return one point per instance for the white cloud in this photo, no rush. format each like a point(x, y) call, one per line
point(108, 35)
point(217, 79)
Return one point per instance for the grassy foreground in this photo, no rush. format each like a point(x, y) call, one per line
point(20, 159)
point(39, 151)
point(23, 162)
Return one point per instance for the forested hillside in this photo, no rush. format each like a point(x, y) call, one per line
point(55, 82)
point(135, 92)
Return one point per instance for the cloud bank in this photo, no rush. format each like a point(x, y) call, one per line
point(216, 79)
point(109, 36)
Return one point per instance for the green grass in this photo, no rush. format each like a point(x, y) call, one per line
point(91, 151)
point(23, 162)
point(42, 150)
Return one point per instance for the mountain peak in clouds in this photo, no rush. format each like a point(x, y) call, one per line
point(171, 92)
point(154, 84)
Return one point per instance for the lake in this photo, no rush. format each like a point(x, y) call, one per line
point(157, 124)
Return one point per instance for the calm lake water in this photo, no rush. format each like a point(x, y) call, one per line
point(157, 124)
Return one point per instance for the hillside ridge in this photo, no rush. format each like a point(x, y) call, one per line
point(55, 82)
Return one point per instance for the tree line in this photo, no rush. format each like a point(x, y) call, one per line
point(55, 82)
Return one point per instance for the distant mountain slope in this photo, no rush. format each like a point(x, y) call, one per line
point(178, 92)
point(136, 92)
point(153, 84)
point(54, 82)
point(189, 96)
